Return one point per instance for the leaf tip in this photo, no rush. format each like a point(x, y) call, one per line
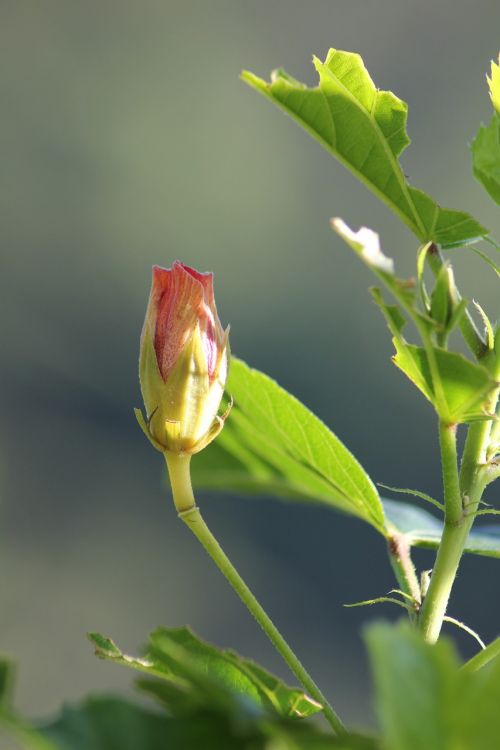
point(105, 648)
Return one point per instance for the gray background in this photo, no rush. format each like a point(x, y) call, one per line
point(128, 140)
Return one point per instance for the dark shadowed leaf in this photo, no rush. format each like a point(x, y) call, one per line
point(415, 687)
point(422, 529)
point(195, 674)
point(424, 700)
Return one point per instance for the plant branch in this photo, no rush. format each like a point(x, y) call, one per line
point(402, 565)
point(178, 468)
point(455, 531)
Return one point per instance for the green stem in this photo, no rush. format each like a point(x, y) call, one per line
point(455, 531)
point(178, 468)
point(442, 579)
point(449, 467)
point(462, 496)
point(492, 651)
point(402, 565)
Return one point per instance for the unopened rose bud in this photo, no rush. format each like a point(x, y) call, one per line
point(183, 361)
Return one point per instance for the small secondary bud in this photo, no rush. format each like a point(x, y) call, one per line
point(183, 361)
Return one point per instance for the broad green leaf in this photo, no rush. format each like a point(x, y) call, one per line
point(221, 470)
point(115, 724)
point(423, 699)
point(365, 129)
point(486, 157)
point(109, 723)
point(286, 448)
point(193, 669)
point(415, 686)
point(464, 385)
point(422, 529)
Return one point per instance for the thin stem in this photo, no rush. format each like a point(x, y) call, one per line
point(402, 565)
point(492, 651)
point(178, 467)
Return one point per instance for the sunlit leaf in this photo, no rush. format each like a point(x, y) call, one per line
point(286, 449)
point(365, 129)
point(464, 385)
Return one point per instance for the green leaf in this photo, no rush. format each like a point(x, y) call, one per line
point(422, 529)
point(456, 387)
point(115, 724)
point(365, 129)
point(415, 687)
point(464, 385)
point(7, 677)
point(424, 700)
point(274, 440)
point(197, 673)
point(486, 157)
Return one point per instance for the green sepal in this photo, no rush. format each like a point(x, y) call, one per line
point(440, 298)
point(145, 428)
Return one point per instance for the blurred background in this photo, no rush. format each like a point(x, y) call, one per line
point(129, 140)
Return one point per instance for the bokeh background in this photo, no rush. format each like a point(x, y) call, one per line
point(129, 140)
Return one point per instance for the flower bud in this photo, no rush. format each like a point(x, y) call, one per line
point(183, 361)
